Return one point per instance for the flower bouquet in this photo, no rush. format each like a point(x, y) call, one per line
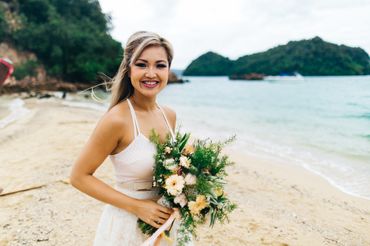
point(190, 178)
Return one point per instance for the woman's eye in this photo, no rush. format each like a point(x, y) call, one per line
point(161, 65)
point(140, 65)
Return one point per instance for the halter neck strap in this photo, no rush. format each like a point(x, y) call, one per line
point(136, 122)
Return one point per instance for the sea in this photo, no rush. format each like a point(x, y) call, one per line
point(319, 123)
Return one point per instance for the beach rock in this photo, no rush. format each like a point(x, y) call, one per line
point(31, 84)
point(16, 56)
point(174, 79)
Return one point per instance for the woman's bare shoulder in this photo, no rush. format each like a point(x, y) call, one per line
point(118, 116)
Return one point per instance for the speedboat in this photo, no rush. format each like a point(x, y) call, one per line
point(286, 77)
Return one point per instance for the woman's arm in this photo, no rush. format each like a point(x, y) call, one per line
point(102, 142)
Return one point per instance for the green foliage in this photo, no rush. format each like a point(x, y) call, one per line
point(36, 11)
point(69, 37)
point(207, 155)
point(3, 24)
point(222, 207)
point(27, 68)
point(308, 57)
point(209, 64)
point(146, 228)
point(186, 228)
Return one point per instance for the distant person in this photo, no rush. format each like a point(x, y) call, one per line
point(122, 134)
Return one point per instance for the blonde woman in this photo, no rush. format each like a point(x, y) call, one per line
point(122, 134)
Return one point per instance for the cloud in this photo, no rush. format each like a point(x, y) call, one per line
point(238, 27)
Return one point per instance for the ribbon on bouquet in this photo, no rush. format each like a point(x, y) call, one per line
point(150, 241)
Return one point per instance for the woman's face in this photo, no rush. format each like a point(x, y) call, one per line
point(149, 73)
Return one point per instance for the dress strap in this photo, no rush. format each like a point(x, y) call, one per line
point(136, 123)
point(167, 123)
point(134, 119)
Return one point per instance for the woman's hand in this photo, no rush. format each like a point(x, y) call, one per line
point(152, 213)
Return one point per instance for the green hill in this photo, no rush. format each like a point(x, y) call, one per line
point(308, 57)
point(70, 38)
point(209, 63)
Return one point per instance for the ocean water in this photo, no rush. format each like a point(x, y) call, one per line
point(321, 123)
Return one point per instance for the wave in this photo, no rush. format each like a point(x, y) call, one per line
point(364, 116)
point(17, 110)
point(89, 105)
point(359, 116)
point(358, 105)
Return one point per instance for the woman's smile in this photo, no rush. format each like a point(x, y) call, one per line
point(150, 83)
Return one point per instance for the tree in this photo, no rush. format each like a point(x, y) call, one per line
point(69, 37)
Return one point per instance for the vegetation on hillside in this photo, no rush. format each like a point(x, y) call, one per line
point(70, 37)
point(209, 63)
point(308, 57)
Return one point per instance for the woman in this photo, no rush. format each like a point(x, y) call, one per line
point(122, 134)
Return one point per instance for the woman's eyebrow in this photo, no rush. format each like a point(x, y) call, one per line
point(147, 61)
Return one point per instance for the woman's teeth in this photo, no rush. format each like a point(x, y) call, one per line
point(150, 84)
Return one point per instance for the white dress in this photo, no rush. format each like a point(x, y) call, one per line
point(133, 170)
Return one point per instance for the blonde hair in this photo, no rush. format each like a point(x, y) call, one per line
point(137, 42)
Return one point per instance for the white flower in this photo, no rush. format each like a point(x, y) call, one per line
point(167, 150)
point(174, 184)
point(170, 164)
point(190, 179)
point(181, 199)
point(184, 161)
point(168, 161)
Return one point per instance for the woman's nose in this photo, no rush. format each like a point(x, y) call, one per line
point(150, 73)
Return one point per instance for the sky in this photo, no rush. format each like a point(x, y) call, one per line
point(234, 28)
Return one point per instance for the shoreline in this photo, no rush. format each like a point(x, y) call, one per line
point(279, 203)
point(334, 185)
point(304, 167)
point(299, 171)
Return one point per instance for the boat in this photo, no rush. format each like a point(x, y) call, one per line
point(6, 69)
point(285, 77)
point(249, 76)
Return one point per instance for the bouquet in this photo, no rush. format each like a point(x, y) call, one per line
point(190, 178)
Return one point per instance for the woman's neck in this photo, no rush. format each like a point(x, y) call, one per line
point(142, 103)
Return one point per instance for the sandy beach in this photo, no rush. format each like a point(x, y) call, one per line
point(278, 203)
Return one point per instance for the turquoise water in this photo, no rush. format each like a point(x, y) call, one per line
point(321, 123)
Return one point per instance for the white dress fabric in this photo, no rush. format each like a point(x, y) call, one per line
point(133, 171)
